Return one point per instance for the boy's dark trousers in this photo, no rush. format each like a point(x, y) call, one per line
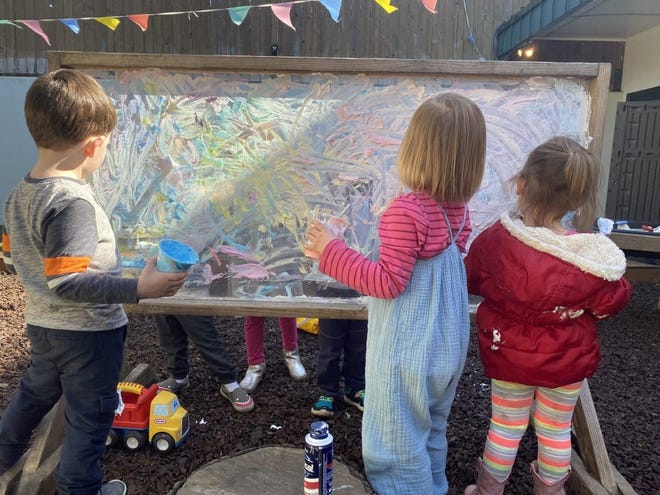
point(337, 338)
point(84, 367)
point(174, 331)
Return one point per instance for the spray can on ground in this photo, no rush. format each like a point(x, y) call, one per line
point(318, 460)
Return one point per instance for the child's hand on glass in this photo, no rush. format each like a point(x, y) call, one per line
point(318, 236)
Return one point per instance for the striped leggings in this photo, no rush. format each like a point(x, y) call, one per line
point(552, 414)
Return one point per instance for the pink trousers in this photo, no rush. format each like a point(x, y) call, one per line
point(254, 337)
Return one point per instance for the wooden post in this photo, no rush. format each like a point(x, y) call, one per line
point(590, 441)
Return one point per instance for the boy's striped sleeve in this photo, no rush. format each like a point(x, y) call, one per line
point(6, 251)
point(70, 242)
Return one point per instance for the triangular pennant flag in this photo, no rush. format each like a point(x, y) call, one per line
point(141, 20)
point(333, 6)
point(109, 22)
point(386, 5)
point(5, 21)
point(283, 12)
point(36, 27)
point(72, 24)
point(430, 5)
point(238, 14)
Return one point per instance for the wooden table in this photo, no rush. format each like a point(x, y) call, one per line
point(637, 241)
point(639, 247)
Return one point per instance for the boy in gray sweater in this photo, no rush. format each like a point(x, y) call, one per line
point(58, 240)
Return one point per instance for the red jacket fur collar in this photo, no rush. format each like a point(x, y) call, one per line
point(543, 296)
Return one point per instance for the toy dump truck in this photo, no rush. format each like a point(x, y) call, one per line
point(150, 415)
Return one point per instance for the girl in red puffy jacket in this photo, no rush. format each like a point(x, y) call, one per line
point(545, 287)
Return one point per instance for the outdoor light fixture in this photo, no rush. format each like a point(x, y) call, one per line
point(526, 52)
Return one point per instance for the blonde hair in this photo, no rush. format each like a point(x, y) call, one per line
point(443, 151)
point(65, 107)
point(559, 176)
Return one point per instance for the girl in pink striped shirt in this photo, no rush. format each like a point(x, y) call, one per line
point(419, 321)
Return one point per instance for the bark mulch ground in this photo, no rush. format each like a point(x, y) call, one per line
point(624, 392)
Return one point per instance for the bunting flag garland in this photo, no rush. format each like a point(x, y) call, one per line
point(109, 22)
point(36, 27)
point(238, 14)
point(5, 21)
point(333, 6)
point(430, 5)
point(386, 6)
point(283, 12)
point(141, 20)
point(72, 24)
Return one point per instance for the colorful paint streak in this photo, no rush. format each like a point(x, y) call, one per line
point(235, 164)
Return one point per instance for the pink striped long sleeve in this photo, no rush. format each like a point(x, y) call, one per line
point(411, 228)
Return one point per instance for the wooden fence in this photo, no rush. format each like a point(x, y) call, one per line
point(364, 29)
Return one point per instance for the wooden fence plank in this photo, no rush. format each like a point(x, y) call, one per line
point(365, 30)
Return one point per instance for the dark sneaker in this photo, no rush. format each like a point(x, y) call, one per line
point(324, 407)
point(175, 385)
point(355, 399)
point(113, 487)
point(239, 398)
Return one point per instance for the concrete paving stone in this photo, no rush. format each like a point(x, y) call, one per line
point(266, 471)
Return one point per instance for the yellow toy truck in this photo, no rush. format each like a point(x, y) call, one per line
point(149, 415)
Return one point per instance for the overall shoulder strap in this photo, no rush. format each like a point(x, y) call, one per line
point(453, 235)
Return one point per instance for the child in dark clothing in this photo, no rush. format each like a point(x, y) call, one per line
point(174, 332)
point(342, 348)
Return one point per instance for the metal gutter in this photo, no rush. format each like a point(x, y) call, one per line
point(529, 22)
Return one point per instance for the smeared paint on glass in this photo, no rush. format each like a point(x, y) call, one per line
point(235, 164)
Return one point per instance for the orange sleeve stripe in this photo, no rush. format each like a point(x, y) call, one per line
point(65, 264)
point(6, 247)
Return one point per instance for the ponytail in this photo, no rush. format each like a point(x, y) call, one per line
point(581, 172)
point(559, 176)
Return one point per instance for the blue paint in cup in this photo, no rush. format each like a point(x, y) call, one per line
point(175, 256)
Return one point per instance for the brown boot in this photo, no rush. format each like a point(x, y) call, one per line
point(486, 483)
point(542, 488)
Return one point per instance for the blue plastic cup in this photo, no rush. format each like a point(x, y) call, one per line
point(175, 256)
